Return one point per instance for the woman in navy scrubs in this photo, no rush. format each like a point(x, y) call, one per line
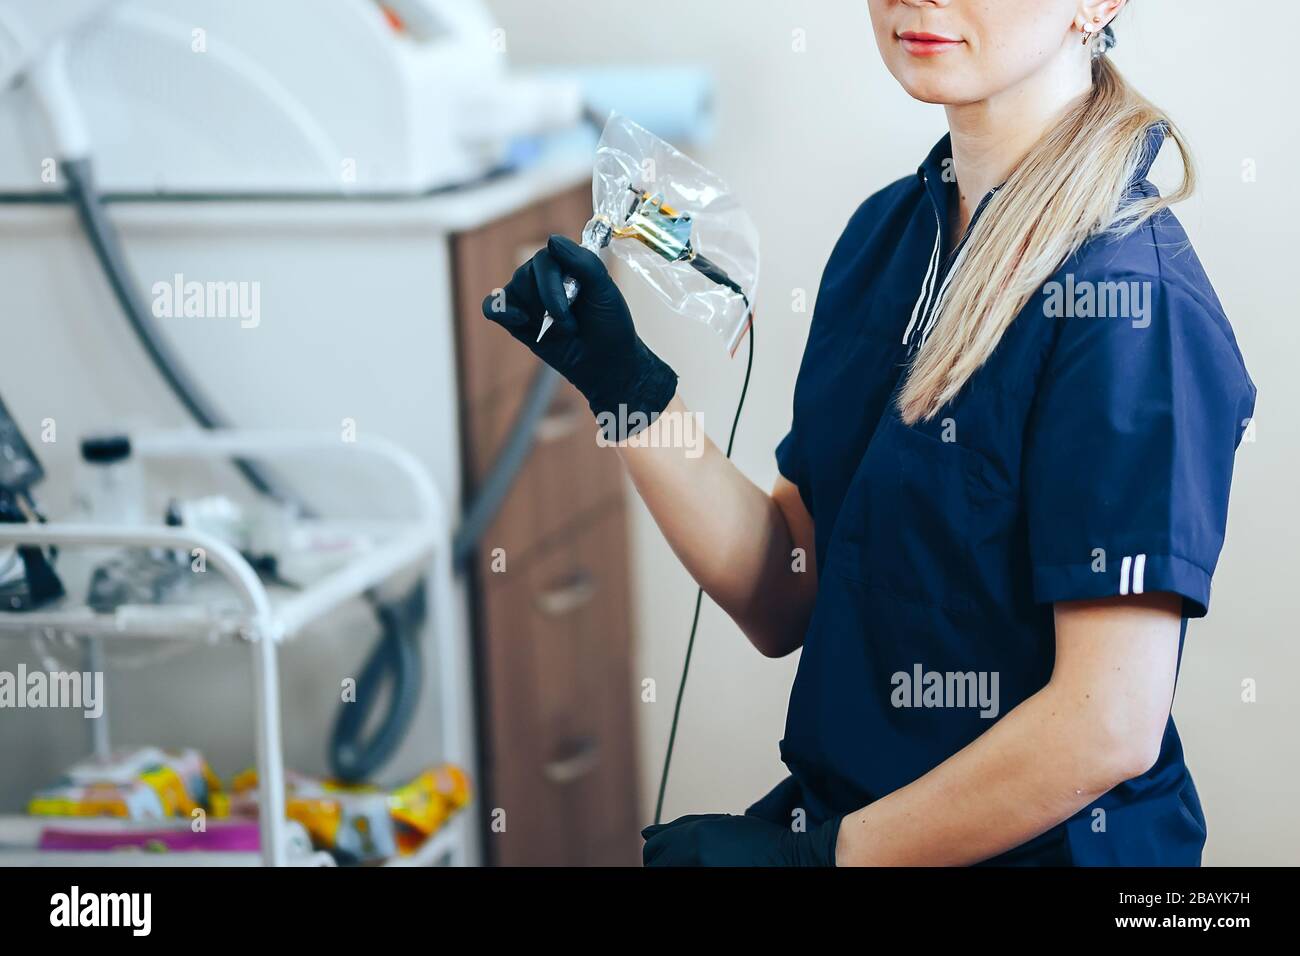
point(1005, 488)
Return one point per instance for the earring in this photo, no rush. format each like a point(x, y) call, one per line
point(1090, 35)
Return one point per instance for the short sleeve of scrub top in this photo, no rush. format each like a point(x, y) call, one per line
point(1126, 483)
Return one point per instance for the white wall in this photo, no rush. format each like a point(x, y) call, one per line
point(804, 137)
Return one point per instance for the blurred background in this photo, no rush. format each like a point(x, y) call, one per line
point(353, 177)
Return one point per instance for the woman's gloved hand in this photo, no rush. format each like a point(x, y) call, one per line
point(593, 342)
point(721, 839)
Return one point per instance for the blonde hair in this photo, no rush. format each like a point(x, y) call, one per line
point(1073, 185)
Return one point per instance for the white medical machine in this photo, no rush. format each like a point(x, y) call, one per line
point(292, 96)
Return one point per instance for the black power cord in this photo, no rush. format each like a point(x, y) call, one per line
point(699, 592)
point(107, 247)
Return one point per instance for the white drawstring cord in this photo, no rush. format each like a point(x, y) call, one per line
point(931, 271)
point(927, 326)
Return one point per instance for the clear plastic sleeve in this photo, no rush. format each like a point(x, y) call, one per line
point(701, 251)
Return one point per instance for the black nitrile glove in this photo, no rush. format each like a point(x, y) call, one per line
point(593, 342)
point(721, 839)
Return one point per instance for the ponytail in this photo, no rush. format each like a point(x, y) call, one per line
point(1073, 185)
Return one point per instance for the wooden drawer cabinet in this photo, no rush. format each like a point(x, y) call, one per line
point(553, 631)
point(558, 669)
point(566, 476)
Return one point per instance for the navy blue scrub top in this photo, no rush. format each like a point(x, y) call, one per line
point(1090, 456)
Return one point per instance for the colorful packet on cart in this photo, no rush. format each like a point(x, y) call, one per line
point(142, 784)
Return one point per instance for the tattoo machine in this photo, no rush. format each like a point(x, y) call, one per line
point(645, 189)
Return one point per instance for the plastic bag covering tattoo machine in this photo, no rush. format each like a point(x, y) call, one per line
point(645, 189)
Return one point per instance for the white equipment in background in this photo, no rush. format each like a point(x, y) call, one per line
point(289, 96)
point(28, 29)
point(306, 149)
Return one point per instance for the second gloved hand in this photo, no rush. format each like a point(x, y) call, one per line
point(593, 343)
point(722, 839)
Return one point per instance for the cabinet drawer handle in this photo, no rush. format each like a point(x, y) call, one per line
point(575, 766)
point(561, 420)
point(569, 595)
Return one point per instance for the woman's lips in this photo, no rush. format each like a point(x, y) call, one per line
point(927, 44)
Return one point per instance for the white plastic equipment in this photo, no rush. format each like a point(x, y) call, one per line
point(290, 96)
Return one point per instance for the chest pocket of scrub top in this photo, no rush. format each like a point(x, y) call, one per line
point(908, 525)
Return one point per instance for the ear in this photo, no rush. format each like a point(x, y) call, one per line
point(1095, 15)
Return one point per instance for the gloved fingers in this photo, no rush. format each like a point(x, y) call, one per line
point(656, 828)
point(549, 275)
point(700, 840)
point(495, 305)
point(652, 854)
point(597, 288)
point(516, 305)
point(521, 325)
point(521, 290)
point(668, 848)
point(583, 264)
point(513, 320)
point(675, 843)
point(520, 307)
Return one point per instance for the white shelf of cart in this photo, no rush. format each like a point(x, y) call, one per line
point(262, 621)
point(207, 609)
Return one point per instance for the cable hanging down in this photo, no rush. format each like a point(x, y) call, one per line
point(699, 596)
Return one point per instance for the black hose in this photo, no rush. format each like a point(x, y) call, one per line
point(711, 270)
point(395, 661)
point(396, 657)
point(107, 246)
point(482, 511)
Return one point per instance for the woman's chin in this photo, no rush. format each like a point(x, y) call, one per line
point(937, 90)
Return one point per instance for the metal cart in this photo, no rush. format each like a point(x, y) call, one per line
point(266, 620)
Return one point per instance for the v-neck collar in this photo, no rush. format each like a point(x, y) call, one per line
point(939, 179)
